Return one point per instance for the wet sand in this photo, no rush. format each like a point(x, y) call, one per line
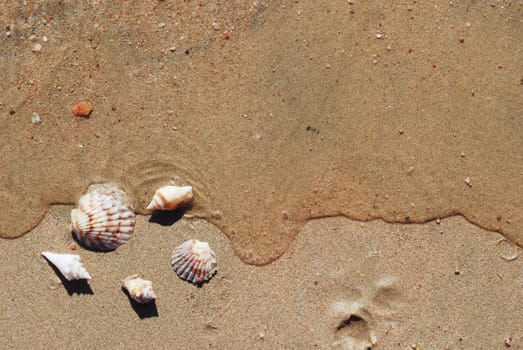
point(290, 120)
point(276, 113)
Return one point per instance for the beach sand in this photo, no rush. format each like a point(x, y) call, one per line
point(357, 168)
point(438, 286)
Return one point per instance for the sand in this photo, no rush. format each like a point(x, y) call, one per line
point(439, 286)
point(296, 123)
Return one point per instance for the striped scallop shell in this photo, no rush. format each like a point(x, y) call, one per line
point(170, 198)
point(194, 261)
point(102, 222)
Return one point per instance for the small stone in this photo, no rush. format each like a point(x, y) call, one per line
point(32, 37)
point(401, 131)
point(508, 342)
point(226, 35)
point(468, 24)
point(35, 119)
point(438, 221)
point(379, 36)
point(44, 39)
point(328, 66)
point(161, 25)
point(172, 48)
point(36, 47)
point(411, 169)
point(8, 33)
point(457, 271)
point(462, 40)
point(82, 109)
point(467, 181)
point(350, 2)
point(462, 154)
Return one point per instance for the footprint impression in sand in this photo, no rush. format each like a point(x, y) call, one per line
point(358, 317)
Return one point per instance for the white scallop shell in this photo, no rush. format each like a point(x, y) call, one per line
point(139, 289)
point(69, 265)
point(170, 197)
point(102, 221)
point(194, 261)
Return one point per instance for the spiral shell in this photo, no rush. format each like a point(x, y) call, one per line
point(69, 265)
point(102, 221)
point(139, 290)
point(194, 261)
point(170, 197)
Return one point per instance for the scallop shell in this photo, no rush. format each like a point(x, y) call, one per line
point(69, 265)
point(102, 221)
point(170, 197)
point(139, 289)
point(194, 261)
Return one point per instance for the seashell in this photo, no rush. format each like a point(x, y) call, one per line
point(69, 265)
point(170, 197)
point(102, 221)
point(139, 289)
point(194, 261)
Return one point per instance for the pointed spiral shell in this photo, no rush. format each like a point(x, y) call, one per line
point(194, 261)
point(69, 265)
point(170, 197)
point(102, 222)
point(139, 290)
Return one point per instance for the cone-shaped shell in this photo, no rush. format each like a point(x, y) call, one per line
point(102, 222)
point(194, 261)
point(69, 265)
point(170, 197)
point(139, 290)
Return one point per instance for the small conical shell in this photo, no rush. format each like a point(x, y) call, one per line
point(102, 222)
point(69, 265)
point(139, 289)
point(194, 261)
point(170, 198)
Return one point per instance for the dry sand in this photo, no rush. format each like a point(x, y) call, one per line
point(439, 286)
point(280, 114)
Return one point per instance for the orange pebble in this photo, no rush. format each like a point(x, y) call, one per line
point(73, 246)
point(82, 109)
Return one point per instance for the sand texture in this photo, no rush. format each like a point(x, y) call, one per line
point(323, 139)
point(276, 113)
point(342, 284)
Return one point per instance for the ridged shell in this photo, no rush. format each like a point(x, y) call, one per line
point(102, 222)
point(139, 289)
point(170, 197)
point(194, 261)
point(69, 265)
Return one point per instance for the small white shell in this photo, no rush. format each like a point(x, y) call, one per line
point(194, 261)
point(139, 289)
point(170, 197)
point(102, 222)
point(69, 265)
